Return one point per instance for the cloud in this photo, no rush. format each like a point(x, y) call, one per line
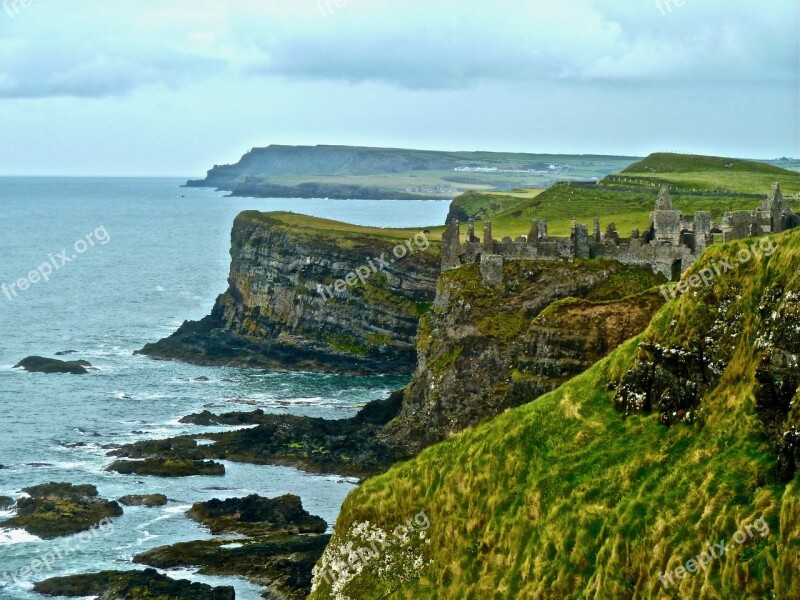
point(102, 49)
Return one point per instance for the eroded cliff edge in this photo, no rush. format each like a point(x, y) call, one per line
point(481, 350)
point(277, 314)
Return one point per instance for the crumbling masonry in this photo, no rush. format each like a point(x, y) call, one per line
point(670, 245)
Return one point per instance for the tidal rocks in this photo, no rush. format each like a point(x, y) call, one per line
point(148, 500)
point(58, 509)
point(283, 565)
point(40, 364)
point(131, 585)
point(6, 502)
point(157, 467)
point(257, 516)
point(346, 446)
point(282, 544)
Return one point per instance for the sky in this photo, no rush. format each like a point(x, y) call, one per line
point(172, 87)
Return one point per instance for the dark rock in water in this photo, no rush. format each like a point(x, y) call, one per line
point(283, 544)
point(284, 565)
point(345, 446)
point(167, 467)
point(39, 364)
point(6, 502)
point(66, 352)
point(58, 509)
point(203, 378)
point(148, 500)
point(255, 515)
point(131, 585)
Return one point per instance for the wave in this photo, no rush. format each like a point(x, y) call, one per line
point(9, 537)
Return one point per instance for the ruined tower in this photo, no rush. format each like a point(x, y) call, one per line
point(665, 220)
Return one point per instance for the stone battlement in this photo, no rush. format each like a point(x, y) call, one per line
point(670, 245)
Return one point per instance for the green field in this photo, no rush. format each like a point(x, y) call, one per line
point(699, 184)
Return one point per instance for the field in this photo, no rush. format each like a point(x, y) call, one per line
point(698, 184)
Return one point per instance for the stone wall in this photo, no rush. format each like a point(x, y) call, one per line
point(671, 245)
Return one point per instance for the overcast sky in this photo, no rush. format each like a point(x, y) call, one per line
point(171, 87)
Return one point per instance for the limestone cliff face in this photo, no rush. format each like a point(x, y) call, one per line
point(274, 316)
point(484, 349)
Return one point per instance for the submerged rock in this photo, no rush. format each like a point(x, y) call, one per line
point(58, 509)
point(157, 467)
point(148, 500)
point(40, 364)
point(131, 585)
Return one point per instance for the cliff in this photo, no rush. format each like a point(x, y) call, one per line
point(480, 351)
point(484, 349)
point(667, 470)
point(283, 309)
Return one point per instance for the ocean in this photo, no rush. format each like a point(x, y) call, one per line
point(129, 260)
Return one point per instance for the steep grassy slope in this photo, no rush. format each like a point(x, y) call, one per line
point(568, 498)
point(484, 205)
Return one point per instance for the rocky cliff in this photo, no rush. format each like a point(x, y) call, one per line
point(484, 349)
point(284, 310)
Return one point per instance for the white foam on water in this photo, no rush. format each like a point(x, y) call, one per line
point(10, 537)
point(176, 510)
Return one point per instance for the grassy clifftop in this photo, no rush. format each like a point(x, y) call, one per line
point(566, 497)
point(699, 183)
point(709, 173)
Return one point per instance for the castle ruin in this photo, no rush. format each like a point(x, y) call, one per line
point(670, 245)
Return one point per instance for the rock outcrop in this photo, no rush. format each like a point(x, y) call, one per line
point(131, 585)
point(485, 349)
point(167, 467)
point(277, 313)
point(277, 544)
point(146, 500)
point(40, 364)
point(57, 509)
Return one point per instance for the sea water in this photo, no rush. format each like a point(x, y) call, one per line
point(142, 256)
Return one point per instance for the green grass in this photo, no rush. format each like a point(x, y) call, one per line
point(704, 184)
point(710, 173)
point(566, 498)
